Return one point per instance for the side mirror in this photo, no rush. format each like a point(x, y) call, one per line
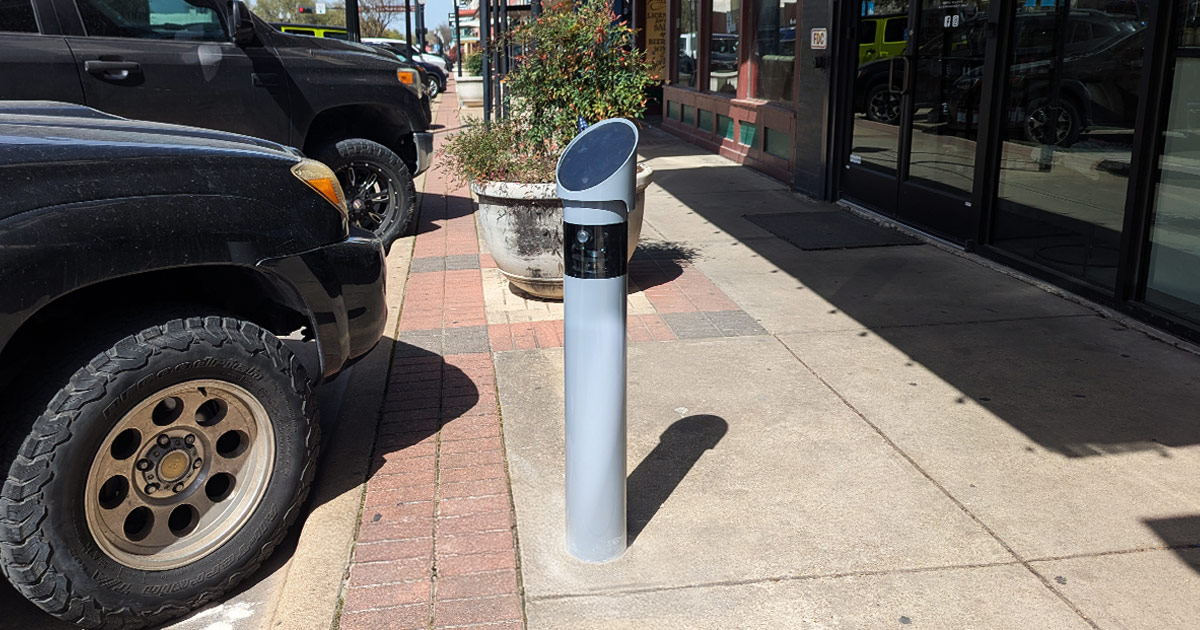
point(241, 25)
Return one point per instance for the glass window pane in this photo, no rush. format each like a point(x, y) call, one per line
point(866, 32)
point(1068, 133)
point(945, 94)
point(896, 30)
point(775, 52)
point(153, 19)
point(687, 45)
point(723, 49)
point(16, 16)
point(1173, 281)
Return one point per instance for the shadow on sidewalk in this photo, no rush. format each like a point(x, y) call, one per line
point(1180, 533)
point(437, 208)
point(1075, 383)
point(655, 263)
point(662, 470)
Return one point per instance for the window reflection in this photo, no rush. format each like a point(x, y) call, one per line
point(1068, 134)
point(689, 34)
point(775, 50)
point(723, 49)
point(1173, 281)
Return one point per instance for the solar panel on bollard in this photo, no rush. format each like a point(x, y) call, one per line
point(595, 179)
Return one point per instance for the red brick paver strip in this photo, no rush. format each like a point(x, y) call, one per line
point(436, 546)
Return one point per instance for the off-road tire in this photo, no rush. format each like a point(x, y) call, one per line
point(48, 551)
point(359, 154)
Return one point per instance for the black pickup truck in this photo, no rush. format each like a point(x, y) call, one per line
point(157, 437)
point(212, 64)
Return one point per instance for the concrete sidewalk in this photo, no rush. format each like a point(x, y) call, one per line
point(859, 437)
point(831, 425)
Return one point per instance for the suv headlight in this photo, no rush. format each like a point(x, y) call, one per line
point(321, 179)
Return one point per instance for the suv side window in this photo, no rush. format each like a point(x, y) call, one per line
point(895, 29)
point(189, 20)
point(866, 31)
point(16, 16)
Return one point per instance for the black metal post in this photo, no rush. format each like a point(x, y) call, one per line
point(504, 53)
point(497, 64)
point(421, 26)
point(485, 31)
point(535, 8)
point(458, 49)
point(352, 32)
point(408, 22)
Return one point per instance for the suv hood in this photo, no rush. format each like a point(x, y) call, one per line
point(48, 128)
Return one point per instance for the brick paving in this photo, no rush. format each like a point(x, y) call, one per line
point(436, 546)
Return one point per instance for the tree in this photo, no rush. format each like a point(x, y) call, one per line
point(444, 34)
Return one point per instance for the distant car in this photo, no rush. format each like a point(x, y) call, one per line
point(314, 30)
point(159, 439)
point(434, 78)
point(413, 52)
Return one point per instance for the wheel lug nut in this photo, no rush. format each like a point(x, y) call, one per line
point(164, 441)
point(151, 488)
point(178, 488)
point(198, 463)
point(144, 465)
point(189, 440)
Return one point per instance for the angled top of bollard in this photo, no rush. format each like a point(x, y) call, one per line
point(600, 164)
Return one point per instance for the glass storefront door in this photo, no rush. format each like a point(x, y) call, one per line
point(1173, 274)
point(1067, 133)
point(913, 132)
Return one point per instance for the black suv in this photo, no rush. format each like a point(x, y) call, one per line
point(158, 438)
point(210, 63)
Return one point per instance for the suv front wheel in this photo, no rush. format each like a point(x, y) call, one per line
point(378, 186)
point(162, 473)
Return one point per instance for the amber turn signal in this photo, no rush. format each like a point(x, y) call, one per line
point(321, 179)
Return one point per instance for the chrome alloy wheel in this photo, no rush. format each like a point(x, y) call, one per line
point(179, 474)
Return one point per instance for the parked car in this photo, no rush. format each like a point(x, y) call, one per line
point(211, 63)
point(313, 30)
point(1094, 86)
point(158, 437)
point(955, 57)
point(881, 36)
point(435, 77)
point(413, 51)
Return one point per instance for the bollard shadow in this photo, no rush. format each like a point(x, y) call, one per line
point(657, 262)
point(662, 470)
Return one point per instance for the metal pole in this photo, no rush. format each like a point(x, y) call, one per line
point(535, 8)
point(352, 31)
point(497, 69)
point(408, 22)
point(458, 49)
point(421, 26)
point(485, 30)
point(504, 54)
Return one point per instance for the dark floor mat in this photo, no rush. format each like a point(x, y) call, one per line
point(829, 230)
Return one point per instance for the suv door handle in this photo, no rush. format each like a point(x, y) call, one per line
point(112, 69)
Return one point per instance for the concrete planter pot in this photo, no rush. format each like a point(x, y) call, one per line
point(469, 90)
point(521, 225)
